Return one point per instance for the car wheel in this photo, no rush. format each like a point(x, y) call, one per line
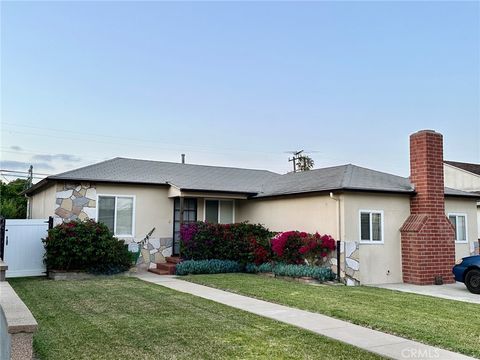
point(472, 281)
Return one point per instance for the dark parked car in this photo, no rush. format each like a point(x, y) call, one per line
point(468, 272)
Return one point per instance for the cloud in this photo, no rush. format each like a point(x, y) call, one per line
point(16, 148)
point(23, 166)
point(58, 157)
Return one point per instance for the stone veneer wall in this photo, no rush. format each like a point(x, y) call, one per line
point(75, 201)
point(154, 251)
point(349, 262)
point(78, 200)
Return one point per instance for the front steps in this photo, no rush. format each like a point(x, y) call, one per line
point(167, 268)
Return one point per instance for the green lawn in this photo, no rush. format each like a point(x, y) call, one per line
point(125, 318)
point(452, 325)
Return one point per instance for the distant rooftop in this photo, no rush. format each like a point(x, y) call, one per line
point(470, 167)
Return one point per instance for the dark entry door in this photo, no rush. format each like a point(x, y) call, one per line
point(189, 215)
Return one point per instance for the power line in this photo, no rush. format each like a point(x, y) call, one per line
point(23, 176)
point(224, 151)
point(22, 172)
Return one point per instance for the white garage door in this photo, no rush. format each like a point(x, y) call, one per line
point(23, 247)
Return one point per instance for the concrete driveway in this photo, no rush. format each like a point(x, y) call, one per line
point(456, 291)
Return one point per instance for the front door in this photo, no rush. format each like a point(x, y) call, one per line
point(189, 215)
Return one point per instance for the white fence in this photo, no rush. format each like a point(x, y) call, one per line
point(23, 247)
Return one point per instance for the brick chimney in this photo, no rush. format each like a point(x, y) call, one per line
point(428, 245)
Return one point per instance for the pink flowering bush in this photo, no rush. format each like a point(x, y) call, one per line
point(294, 247)
point(317, 246)
point(286, 246)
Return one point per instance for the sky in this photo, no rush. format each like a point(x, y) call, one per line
point(237, 83)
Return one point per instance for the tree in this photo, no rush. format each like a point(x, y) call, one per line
point(12, 204)
point(304, 163)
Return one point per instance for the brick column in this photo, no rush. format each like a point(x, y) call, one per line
point(428, 245)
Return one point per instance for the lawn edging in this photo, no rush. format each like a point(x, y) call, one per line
point(17, 325)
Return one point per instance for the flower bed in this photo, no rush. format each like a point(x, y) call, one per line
point(215, 266)
point(217, 248)
point(248, 243)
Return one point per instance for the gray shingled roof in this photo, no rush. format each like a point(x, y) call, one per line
point(257, 183)
point(344, 177)
point(184, 176)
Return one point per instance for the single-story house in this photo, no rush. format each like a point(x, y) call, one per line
point(466, 177)
point(394, 228)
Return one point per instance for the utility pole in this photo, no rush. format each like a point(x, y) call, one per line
point(30, 177)
point(294, 159)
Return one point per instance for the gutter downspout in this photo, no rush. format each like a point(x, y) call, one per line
point(339, 240)
point(29, 206)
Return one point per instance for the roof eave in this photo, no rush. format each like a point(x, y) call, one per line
point(342, 189)
point(37, 187)
point(246, 193)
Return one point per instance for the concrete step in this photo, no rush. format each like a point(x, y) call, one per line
point(159, 272)
point(169, 267)
point(173, 259)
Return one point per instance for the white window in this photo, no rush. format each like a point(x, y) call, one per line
point(117, 212)
point(459, 222)
point(371, 226)
point(219, 211)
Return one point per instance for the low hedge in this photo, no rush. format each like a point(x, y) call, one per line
point(315, 272)
point(296, 271)
point(262, 268)
point(217, 266)
point(214, 266)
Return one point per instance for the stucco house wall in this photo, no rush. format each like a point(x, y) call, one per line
point(460, 179)
point(463, 180)
point(305, 213)
point(152, 208)
point(379, 263)
point(42, 205)
point(468, 207)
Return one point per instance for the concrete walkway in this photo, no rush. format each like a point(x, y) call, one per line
point(457, 291)
point(390, 346)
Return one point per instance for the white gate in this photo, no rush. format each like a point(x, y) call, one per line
point(23, 247)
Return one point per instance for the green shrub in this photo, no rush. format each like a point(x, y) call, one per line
point(87, 246)
point(214, 266)
point(296, 271)
point(240, 242)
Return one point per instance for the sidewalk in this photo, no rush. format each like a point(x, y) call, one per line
point(457, 291)
point(390, 346)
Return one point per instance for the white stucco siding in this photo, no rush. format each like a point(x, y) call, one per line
point(308, 213)
point(42, 204)
point(379, 263)
point(469, 208)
